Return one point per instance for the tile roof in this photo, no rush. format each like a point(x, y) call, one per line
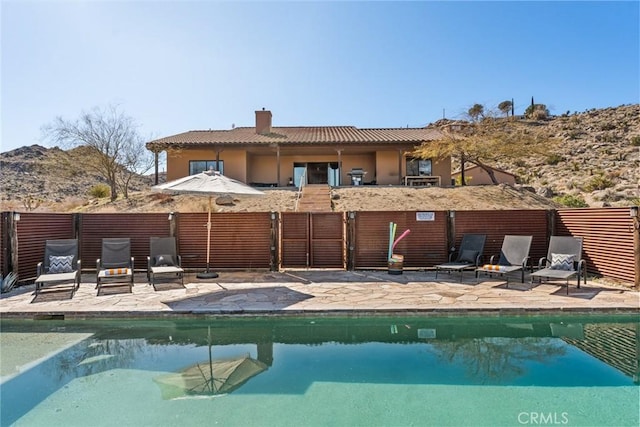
point(301, 135)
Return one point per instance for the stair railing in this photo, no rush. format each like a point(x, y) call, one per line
point(303, 180)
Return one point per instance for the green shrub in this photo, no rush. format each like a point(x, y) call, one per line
point(100, 191)
point(554, 159)
point(598, 182)
point(635, 141)
point(571, 201)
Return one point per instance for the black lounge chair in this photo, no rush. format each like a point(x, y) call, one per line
point(468, 255)
point(115, 266)
point(563, 261)
point(60, 265)
point(163, 260)
point(514, 256)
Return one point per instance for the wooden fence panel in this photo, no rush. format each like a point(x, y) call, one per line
point(496, 224)
point(608, 239)
point(238, 240)
point(33, 230)
point(137, 226)
point(424, 246)
point(294, 239)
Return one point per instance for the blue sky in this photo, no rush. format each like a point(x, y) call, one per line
point(176, 66)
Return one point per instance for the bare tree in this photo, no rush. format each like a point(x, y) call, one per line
point(112, 140)
point(488, 141)
point(136, 159)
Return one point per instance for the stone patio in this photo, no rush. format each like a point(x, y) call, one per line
point(314, 292)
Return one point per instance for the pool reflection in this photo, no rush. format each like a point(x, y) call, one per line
point(291, 354)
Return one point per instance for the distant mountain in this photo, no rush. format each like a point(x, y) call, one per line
point(49, 177)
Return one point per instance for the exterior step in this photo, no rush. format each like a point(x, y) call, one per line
point(315, 198)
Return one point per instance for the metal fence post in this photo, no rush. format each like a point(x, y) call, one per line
point(274, 262)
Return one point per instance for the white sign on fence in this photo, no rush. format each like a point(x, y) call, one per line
point(425, 216)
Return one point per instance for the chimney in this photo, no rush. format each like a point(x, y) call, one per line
point(263, 122)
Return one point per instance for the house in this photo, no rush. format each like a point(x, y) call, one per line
point(266, 155)
point(475, 175)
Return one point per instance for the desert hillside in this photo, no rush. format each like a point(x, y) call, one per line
point(597, 161)
point(598, 158)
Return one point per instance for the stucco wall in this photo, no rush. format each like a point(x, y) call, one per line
point(235, 163)
point(442, 168)
point(387, 168)
point(381, 166)
point(366, 162)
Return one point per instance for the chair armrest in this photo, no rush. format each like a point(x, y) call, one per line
point(542, 262)
point(39, 269)
point(78, 266)
point(525, 261)
point(132, 260)
point(478, 260)
point(148, 263)
point(493, 257)
point(98, 264)
point(451, 256)
point(179, 258)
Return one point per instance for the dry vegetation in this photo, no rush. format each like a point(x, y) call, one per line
point(345, 199)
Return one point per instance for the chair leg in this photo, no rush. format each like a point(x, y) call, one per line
point(584, 275)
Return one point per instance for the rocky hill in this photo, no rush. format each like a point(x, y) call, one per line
point(598, 161)
point(50, 179)
point(598, 158)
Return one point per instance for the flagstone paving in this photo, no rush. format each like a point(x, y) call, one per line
point(300, 292)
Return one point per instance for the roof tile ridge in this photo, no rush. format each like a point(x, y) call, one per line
point(390, 128)
point(210, 130)
point(315, 127)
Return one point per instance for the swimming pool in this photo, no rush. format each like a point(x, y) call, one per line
point(322, 371)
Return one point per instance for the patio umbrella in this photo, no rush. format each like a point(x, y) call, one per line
point(211, 377)
point(210, 183)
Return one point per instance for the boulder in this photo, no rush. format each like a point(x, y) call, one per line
point(225, 200)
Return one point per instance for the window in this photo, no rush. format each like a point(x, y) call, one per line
point(418, 167)
point(197, 166)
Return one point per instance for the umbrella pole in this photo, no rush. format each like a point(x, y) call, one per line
point(208, 274)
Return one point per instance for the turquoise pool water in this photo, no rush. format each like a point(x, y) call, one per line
point(412, 371)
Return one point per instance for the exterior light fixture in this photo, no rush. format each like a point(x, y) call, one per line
point(171, 216)
point(16, 216)
point(633, 211)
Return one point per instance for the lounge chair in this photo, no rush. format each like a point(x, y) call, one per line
point(514, 256)
point(60, 265)
point(563, 260)
point(115, 266)
point(468, 255)
point(163, 260)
